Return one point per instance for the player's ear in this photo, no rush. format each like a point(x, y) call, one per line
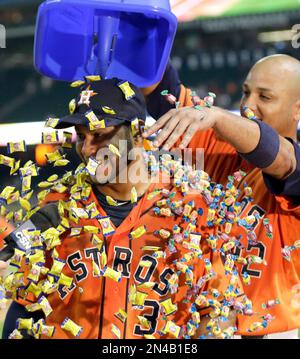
point(297, 111)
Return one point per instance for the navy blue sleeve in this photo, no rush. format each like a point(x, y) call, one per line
point(156, 103)
point(16, 311)
point(289, 186)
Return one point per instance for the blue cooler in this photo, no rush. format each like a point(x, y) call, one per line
point(129, 39)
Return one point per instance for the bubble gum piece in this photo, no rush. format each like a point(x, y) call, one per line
point(144, 322)
point(133, 195)
point(111, 201)
point(116, 331)
point(77, 83)
point(112, 274)
point(138, 232)
point(71, 327)
point(61, 163)
point(92, 166)
point(168, 307)
point(173, 329)
point(126, 89)
point(45, 305)
point(7, 161)
point(65, 280)
point(121, 314)
point(67, 140)
point(15, 334)
point(24, 323)
point(139, 299)
point(13, 147)
point(114, 150)
point(93, 78)
point(107, 228)
point(96, 269)
point(50, 137)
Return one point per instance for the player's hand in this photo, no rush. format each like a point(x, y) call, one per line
point(3, 266)
point(185, 121)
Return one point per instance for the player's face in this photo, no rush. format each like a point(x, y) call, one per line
point(268, 97)
point(89, 142)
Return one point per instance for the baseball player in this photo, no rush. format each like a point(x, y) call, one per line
point(266, 150)
point(132, 258)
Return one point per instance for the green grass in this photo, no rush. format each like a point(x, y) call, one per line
point(259, 6)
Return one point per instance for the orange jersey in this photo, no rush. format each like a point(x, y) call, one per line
point(280, 279)
point(93, 302)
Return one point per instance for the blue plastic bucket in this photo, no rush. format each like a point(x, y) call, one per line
point(129, 39)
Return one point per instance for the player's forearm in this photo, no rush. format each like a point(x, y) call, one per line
point(243, 135)
point(246, 136)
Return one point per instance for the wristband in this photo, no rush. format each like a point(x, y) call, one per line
point(267, 148)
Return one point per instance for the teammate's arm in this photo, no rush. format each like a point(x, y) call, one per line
point(156, 103)
point(3, 266)
point(277, 160)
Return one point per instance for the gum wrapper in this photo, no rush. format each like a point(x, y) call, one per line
point(137, 233)
point(13, 147)
point(52, 122)
point(168, 306)
point(45, 306)
point(7, 161)
point(112, 274)
point(71, 327)
point(144, 322)
point(113, 149)
point(75, 231)
point(29, 169)
point(121, 314)
point(77, 83)
point(111, 201)
point(126, 89)
point(94, 122)
point(93, 78)
point(108, 110)
point(96, 269)
point(135, 127)
point(16, 334)
point(61, 163)
point(50, 137)
point(43, 329)
point(67, 140)
point(15, 168)
point(24, 323)
point(116, 331)
point(72, 106)
point(92, 166)
point(54, 156)
point(6, 193)
point(65, 280)
point(16, 260)
point(26, 184)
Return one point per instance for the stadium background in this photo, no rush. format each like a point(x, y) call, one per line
point(216, 44)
